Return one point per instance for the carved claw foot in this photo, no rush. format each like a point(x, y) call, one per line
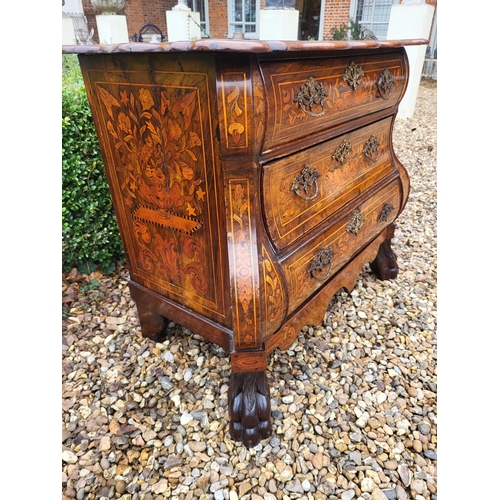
point(153, 325)
point(249, 408)
point(385, 266)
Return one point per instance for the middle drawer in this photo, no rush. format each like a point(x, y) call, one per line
point(301, 190)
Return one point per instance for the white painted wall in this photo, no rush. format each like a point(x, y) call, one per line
point(73, 6)
point(279, 24)
point(112, 29)
point(411, 19)
point(180, 27)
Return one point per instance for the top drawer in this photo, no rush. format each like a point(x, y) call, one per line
point(309, 96)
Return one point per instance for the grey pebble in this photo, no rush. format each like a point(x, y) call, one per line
point(168, 357)
point(348, 495)
point(218, 485)
point(390, 494)
point(166, 383)
point(295, 486)
point(219, 495)
point(424, 428)
point(274, 442)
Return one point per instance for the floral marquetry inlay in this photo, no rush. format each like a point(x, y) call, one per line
point(274, 294)
point(245, 286)
point(157, 143)
point(234, 100)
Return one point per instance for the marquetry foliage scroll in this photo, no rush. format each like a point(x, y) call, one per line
point(157, 143)
point(242, 254)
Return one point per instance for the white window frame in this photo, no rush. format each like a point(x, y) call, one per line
point(369, 24)
point(231, 23)
point(194, 5)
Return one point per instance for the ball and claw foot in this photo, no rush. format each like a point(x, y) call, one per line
point(385, 266)
point(249, 408)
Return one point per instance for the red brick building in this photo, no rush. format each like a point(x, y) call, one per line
point(221, 18)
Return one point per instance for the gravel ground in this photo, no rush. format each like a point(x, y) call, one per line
point(353, 400)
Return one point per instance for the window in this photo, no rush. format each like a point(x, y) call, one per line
point(201, 7)
point(373, 14)
point(243, 16)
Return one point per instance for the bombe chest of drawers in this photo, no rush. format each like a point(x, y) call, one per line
point(251, 180)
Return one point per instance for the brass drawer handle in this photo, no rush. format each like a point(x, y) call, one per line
point(304, 181)
point(342, 152)
point(384, 83)
point(371, 148)
point(311, 94)
point(353, 75)
point(355, 223)
point(388, 208)
point(322, 260)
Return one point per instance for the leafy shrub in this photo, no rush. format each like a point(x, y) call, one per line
point(90, 236)
point(339, 33)
point(356, 30)
point(353, 31)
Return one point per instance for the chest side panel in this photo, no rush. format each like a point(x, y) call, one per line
point(154, 123)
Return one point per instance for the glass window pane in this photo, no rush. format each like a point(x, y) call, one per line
point(250, 11)
point(237, 10)
point(382, 14)
point(380, 30)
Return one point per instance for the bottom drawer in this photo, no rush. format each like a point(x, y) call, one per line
point(313, 264)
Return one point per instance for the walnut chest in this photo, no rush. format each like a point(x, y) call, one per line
point(251, 181)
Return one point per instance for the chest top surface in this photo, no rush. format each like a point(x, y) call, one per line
point(248, 46)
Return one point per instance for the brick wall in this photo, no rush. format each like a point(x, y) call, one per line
point(336, 14)
point(141, 12)
point(217, 15)
point(138, 13)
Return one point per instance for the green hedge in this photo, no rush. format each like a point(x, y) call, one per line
point(90, 237)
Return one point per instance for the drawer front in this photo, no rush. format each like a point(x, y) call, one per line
point(311, 266)
point(301, 190)
point(306, 97)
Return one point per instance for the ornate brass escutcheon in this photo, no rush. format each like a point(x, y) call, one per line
point(353, 75)
point(388, 208)
point(385, 83)
point(342, 152)
point(311, 94)
point(371, 148)
point(322, 261)
point(304, 181)
point(356, 222)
